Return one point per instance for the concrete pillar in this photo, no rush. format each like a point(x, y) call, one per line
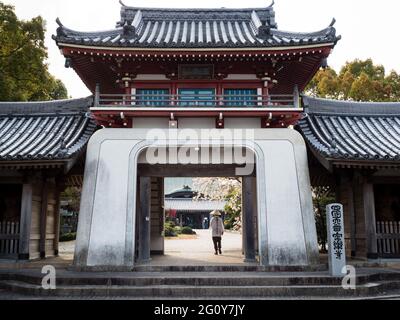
point(26, 218)
point(370, 220)
point(144, 219)
point(248, 192)
point(157, 216)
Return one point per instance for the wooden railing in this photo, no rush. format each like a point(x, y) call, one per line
point(193, 101)
point(9, 239)
point(388, 238)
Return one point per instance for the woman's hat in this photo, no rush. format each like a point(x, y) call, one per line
point(216, 213)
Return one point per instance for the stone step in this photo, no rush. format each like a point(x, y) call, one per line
point(369, 289)
point(254, 285)
point(206, 268)
point(197, 279)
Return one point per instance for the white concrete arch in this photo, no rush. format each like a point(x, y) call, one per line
point(106, 232)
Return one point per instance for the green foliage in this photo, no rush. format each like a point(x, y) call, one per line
point(73, 196)
point(68, 237)
point(322, 196)
point(228, 224)
point(233, 209)
point(187, 230)
point(178, 230)
point(358, 81)
point(169, 229)
point(24, 75)
point(172, 230)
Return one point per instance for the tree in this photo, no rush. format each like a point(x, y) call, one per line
point(325, 83)
point(24, 75)
point(73, 195)
point(358, 81)
point(322, 196)
point(227, 189)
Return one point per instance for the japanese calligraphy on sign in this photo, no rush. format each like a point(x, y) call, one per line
point(337, 252)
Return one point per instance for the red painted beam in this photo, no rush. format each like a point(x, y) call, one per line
point(129, 52)
point(112, 119)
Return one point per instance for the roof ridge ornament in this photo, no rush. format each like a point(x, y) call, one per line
point(272, 4)
point(60, 30)
point(58, 21)
point(263, 30)
point(129, 29)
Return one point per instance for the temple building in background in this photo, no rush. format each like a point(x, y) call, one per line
point(167, 79)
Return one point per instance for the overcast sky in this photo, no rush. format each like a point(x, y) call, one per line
point(369, 28)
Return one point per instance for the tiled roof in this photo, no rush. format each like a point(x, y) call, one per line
point(188, 205)
point(33, 131)
point(195, 28)
point(340, 130)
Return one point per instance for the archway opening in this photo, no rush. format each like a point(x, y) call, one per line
point(167, 214)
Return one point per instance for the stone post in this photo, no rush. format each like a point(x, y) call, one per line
point(336, 245)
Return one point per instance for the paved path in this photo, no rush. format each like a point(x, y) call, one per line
point(197, 251)
point(200, 251)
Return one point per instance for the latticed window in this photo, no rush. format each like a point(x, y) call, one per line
point(152, 97)
point(197, 97)
point(240, 97)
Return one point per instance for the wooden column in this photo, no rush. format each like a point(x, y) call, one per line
point(370, 220)
point(345, 195)
point(26, 219)
point(248, 192)
point(59, 188)
point(43, 218)
point(144, 219)
point(352, 215)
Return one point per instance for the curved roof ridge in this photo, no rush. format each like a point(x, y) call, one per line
point(247, 9)
point(130, 29)
point(72, 32)
point(322, 32)
point(42, 107)
point(345, 107)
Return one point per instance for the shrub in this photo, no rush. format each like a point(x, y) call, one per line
point(169, 230)
point(187, 230)
point(178, 230)
point(68, 237)
point(228, 224)
point(170, 224)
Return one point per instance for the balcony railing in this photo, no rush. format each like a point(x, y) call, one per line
point(168, 101)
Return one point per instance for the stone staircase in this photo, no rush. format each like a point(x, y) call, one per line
point(192, 283)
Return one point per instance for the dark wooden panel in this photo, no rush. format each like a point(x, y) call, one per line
point(191, 171)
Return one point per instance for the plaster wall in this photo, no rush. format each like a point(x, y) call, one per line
point(286, 228)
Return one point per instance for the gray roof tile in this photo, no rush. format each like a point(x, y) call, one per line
point(195, 28)
point(55, 130)
point(188, 205)
point(344, 130)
